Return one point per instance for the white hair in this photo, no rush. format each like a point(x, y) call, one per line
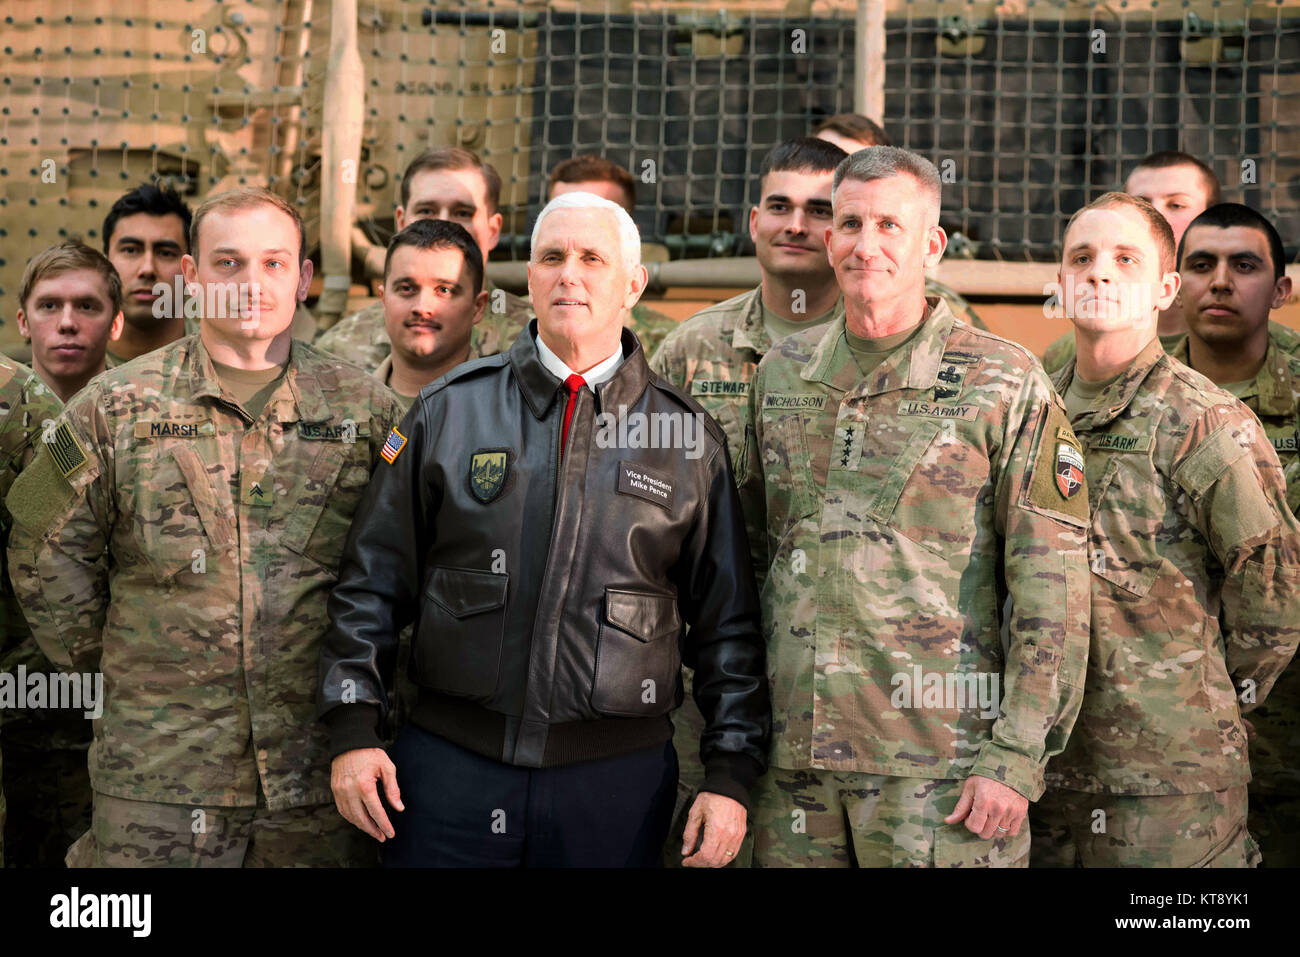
point(628, 235)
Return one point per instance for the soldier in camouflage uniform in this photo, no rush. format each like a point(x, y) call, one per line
point(1231, 263)
point(912, 474)
point(442, 183)
point(713, 354)
point(1180, 187)
point(1195, 573)
point(606, 179)
point(180, 533)
point(26, 406)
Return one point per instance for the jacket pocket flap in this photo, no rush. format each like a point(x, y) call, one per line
point(646, 617)
point(465, 591)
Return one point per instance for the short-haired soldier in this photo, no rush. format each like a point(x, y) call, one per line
point(1231, 263)
point(909, 473)
point(1195, 572)
point(179, 534)
point(450, 183)
point(146, 234)
point(70, 307)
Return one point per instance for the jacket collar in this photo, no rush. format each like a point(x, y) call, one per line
point(1275, 385)
point(540, 388)
point(912, 366)
point(751, 331)
point(299, 397)
point(1117, 396)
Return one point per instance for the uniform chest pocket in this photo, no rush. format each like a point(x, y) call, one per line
point(1119, 551)
point(932, 489)
point(787, 474)
point(462, 624)
point(179, 520)
point(638, 661)
point(321, 506)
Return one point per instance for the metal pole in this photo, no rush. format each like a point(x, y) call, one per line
point(869, 60)
point(340, 159)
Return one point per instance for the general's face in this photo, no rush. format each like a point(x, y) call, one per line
point(789, 225)
point(577, 279)
point(882, 239)
point(247, 265)
point(1177, 192)
point(1228, 284)
point(599, 187)
point(146, 250)
point(458, 196)
point(1110, 274)
point(430, 307)
point(70, 320)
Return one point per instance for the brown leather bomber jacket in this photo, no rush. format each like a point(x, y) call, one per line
point(549, 595)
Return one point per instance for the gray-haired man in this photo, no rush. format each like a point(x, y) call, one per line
point(549, 573)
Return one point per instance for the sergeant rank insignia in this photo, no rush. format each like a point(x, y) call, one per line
point(487, 473)
point(1069, 470)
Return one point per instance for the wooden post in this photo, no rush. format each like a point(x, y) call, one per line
point(340, 159)
point(869, 60)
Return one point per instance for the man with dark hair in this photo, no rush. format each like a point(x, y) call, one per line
point(1231, 263)
point(549, 567)
point(178, 534)
point(1195, 568)
point(70, 307)
point(1180, 187)
point(713, 354)
point(851, 132)
point(146, 233)
point(433, 298)
point(449, 183)
point(921, 557)
point(601, 177)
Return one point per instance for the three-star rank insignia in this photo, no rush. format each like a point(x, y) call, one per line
point(487, 473)
point(1069, 470)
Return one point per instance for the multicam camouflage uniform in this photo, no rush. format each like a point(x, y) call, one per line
point(901, 510)
point(1274, 397)
point(25, 406)
point(187, 552)
point(1061, 352)
point(362, 337)
point(712, 356)
point(1195, 600)
point(651, 327)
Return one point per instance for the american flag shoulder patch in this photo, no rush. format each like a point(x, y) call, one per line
point(394, 444)
point(66, 451)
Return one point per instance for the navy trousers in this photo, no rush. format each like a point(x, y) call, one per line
point(465, 810)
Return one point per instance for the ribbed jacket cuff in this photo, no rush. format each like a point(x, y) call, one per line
point(352, 726)
point(731, 775)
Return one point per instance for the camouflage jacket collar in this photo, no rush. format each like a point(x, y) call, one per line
point(751, 332)
point(1117, 396)
point(540, 387)
point(1277, 383)
point(912, 366)
point(305, 398)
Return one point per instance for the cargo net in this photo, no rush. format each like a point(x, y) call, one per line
point(1028, 107)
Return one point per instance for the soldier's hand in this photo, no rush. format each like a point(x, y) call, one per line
point(352, 779)
point(722, 821)
point(991, 809)
point(1250, 730)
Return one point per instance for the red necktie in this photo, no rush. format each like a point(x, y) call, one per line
point(573, 383)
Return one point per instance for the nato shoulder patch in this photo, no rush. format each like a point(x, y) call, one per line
point(1057, 482)
point(66, 451)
